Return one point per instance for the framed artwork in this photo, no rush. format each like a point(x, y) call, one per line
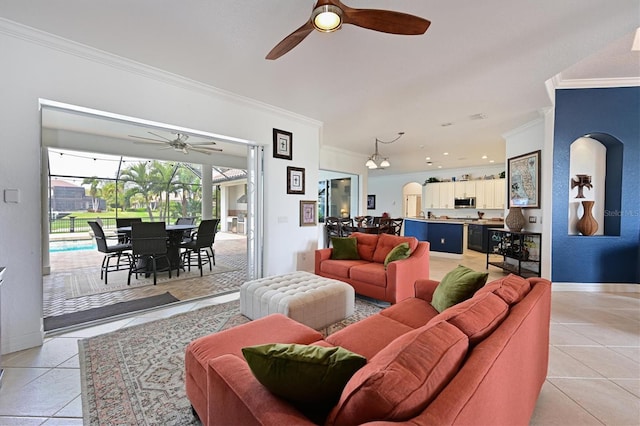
point(308, 212)
point(282, 144)
point(295, 180)
point(371, 202)
point(523, 180)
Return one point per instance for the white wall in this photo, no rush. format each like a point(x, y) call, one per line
point(36, 65)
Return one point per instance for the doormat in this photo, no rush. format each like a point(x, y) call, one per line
point(67, 320)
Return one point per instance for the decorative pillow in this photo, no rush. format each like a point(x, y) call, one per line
point(401, 251)
point(344, 248)
point(403, 378)
point(304, 374)
point(457, 286)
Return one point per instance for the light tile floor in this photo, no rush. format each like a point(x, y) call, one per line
point(593, 378)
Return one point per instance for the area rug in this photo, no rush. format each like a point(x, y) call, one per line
point(67, 320)
point(85, 282)
point(135, 376)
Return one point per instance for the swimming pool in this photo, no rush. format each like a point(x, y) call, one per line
point(71, 245)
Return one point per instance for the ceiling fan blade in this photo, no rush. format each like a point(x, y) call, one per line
point(205, 148)
point(147, 139)
point(197, 143)
point(291, 41)
point(160, 136)
point(203, 151)
point(386, 21)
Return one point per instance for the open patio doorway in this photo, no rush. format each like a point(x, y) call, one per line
point(100, 167)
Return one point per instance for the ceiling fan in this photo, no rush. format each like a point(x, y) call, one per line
point(329, 15)
point(180, 143)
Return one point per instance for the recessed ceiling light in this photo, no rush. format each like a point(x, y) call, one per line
point(484, 157)
point(429, 163)
point(428, 158)
point(439, 167)
point(445, 153)
point(479, 116)
point(491, 161)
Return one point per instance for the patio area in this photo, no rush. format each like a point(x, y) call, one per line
point(67, 265)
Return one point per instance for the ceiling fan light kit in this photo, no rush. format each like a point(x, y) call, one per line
point(327, 18)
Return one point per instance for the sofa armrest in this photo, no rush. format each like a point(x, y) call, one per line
point(237, 398)
point(424, 289)
point(320, 256)
point(402, 274)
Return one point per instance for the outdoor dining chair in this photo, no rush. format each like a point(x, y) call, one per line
point(121, 222)
point(149, 244)
point(202, 241)
point(119, 251)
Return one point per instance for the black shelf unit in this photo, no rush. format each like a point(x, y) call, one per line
point(523, 248)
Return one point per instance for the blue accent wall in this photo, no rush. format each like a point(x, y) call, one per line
point(604, 113)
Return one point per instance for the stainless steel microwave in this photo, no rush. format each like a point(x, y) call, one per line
point(465, 203)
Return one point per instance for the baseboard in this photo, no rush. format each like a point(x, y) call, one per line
point(446, 255)
point(597, 287)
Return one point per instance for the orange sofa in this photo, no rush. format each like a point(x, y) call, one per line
point(368, 276)
point(482, 361)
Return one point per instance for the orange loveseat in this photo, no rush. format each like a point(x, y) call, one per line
point(482, 361)
point(368, 275)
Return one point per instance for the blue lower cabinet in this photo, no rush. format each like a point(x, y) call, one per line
point(416, 228)
point(446, 237)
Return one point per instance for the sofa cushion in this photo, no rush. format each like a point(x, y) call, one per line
point(369, 336)
point(457, 286)
point(366, 244)
point(413, 312)
point(370, 273)
point(401, 380)
point(511, 288)
point(344, 248)
point(386, 243)
point(476, 317)
point(303, 374)
point(340, 268)
point(399, 252)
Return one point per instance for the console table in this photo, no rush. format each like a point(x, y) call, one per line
point(516, 252)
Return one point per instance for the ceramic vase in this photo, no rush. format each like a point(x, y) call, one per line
point(515, 219)
point(587, 225)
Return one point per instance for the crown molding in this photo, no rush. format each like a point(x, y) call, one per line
point(558, 82)
point(51, 41)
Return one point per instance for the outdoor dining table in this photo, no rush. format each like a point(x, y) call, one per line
point(174, 234)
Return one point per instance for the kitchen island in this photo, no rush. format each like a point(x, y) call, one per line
point(445, 236)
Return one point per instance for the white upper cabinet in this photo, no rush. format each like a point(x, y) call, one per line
point(465, 189)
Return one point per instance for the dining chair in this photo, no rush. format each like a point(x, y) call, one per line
point(391, 226)
point(346, 226)
point(332, 228)
point(186, 235)
point(202, 241)
point(118, 251)
point(121, 222)
point(149, 244)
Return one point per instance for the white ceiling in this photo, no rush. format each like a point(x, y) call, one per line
point(487, 57)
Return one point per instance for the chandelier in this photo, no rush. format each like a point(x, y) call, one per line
point(376, 161)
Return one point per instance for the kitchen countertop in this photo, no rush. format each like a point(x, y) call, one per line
point(461, 221)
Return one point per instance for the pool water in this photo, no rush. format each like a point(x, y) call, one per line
point(71, 245)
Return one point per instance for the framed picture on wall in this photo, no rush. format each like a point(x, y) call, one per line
point(308, 213)
point(295, 180)
point(523, 180)
point(282, 144)
point(371, 202)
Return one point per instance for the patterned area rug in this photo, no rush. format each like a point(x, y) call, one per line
point(135, 376)
point(85, 283)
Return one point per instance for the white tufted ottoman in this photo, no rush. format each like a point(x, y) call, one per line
point(307, 298)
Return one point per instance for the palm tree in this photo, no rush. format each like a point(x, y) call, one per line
point(94, 191)
point(139, 181)
point(187, 180)
point(163, 177)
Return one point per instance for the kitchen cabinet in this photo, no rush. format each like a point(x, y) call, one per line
point(516, 252)
point(444, 237)
point(447, 194)
point(490, 194)
point(465, 189)
point(431, 196)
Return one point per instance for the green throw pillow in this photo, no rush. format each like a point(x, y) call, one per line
point(401, 251)
point(304, 374)
point(344, 248)
point(457, 286)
